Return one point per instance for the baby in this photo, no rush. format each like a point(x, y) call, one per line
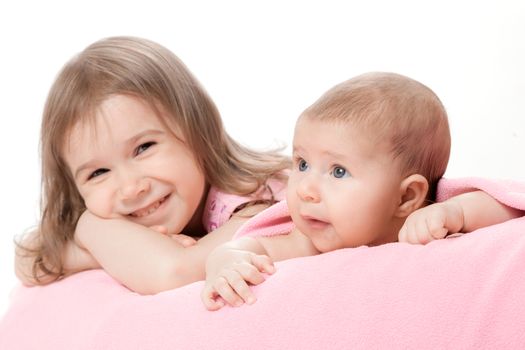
point(366, 155)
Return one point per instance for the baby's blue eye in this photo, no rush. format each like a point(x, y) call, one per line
point(303, 166)
point(339, 172)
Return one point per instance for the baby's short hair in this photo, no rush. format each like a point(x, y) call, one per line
point(399, 110)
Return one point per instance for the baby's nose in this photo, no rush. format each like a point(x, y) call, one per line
point(308, 190)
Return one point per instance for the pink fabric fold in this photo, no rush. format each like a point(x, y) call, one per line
point(509, 192)
point(276, 219)
point(461, 293)
point(272, 221)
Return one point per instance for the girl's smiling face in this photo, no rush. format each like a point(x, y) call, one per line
point(128, 164)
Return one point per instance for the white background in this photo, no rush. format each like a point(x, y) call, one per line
point(264, 64)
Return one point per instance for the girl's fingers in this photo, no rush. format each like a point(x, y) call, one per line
point(185, 241)
point(160, 228)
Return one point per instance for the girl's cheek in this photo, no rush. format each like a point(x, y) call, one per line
point(99, 204)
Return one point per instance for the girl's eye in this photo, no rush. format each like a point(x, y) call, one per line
point(339, 172)
point(143, 147)
point(97, 172)
point(302, 165)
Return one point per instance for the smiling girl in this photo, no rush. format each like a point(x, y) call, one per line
point(136, 165)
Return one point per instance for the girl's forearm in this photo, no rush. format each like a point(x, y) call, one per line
point(142, 259)
point(145, 260)
point(76, 259)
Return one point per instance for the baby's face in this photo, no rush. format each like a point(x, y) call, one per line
point(129, 165)
point(343, 189)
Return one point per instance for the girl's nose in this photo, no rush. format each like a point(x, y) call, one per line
point(308, 189)
point(132, 188)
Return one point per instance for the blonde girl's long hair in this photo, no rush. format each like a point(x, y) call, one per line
point(145, 69)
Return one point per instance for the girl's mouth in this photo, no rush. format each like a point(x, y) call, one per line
point(150, 209)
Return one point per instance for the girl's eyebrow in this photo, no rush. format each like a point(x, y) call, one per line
point(149, 132)
point(130, 141)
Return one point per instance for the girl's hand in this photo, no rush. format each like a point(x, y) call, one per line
point(432, 222)
point(228, 272)
point(184, 240)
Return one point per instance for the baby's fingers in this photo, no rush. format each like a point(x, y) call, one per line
point(251, 274)
point(437, 228)
point(233, 288)
point(237, 290)
point(408, 232)
point(403, 234)
point(263, 263)
point(422, 232)
point(210, 299)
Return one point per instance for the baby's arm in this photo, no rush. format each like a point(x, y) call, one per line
point(145, 260)
point(232, 265)
point(463, 213)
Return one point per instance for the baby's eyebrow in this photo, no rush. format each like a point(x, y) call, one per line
point(297, 149)
point(334, 154)
point(325, 152)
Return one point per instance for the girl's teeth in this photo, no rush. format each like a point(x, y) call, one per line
point(146, 211)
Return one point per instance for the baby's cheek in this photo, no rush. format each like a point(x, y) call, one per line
point(291, 196)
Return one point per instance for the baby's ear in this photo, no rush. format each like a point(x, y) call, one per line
point(413, 191)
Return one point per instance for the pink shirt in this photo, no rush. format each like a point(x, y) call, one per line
point(220, 206)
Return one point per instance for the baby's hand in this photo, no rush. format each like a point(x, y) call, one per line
point(184, 240)
point(432, 222)
point(228, 272)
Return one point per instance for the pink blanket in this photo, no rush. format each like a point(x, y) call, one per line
point(459, 293)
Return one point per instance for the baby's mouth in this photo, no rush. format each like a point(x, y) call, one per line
point(314, 222)
point(149, 209)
